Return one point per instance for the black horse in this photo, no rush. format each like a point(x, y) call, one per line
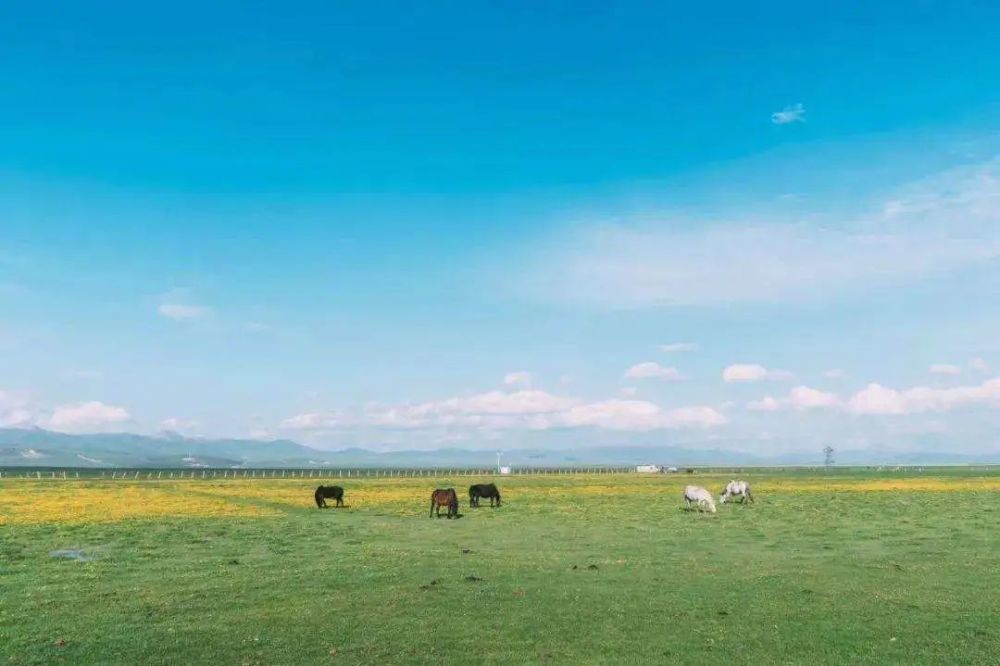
point(483, 490)
point(333, 492)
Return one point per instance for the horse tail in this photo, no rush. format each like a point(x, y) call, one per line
point(432, 505)
point(498, 498)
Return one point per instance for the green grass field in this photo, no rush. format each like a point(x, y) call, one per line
point(823, 569)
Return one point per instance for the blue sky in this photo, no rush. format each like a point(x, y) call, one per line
point(481, 224)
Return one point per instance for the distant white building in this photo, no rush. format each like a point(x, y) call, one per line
point(505, 470)
point(649, 469)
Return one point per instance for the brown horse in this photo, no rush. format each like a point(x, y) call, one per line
point(446, 497)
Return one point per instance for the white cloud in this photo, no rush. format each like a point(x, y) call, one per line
point(944, 369)
point(798, 398)
point(790, 114)
point(835, 373)
point(675, 347)
point(700, 417)
point(525, 410)
point(627, 391)
point(639, 415)
point(929, 229)
point(652, 370)
point(519, 378)
point(877, 399)
point(181, 312)
point(752, 372)
point(87, 416)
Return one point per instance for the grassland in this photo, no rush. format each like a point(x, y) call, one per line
point(824, 569)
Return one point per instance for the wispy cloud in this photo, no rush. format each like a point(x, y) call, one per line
point(316, 421)
point(934, 227)
point(945, 369)
point(653, 370)
point(799, 398)
point(15, 410)
point(790, 114)
point(979, 365)
point(184, 426)
point(676, 347)
point(183, 311)
point(518, 378)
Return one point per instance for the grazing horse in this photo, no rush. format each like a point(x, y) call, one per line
point(483, 490)
point(700, 496)
point(446, 497)
point(333, 492)
point(739, 489)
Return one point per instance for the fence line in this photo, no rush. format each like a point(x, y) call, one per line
point(249, 474)
point(297, 473)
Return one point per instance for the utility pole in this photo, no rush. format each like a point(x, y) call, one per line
point(499, 453)
point(827, 455)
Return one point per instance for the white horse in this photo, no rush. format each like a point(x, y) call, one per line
point(700, 496)
point(736, 489)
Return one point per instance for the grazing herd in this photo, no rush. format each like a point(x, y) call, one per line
point(694, 497)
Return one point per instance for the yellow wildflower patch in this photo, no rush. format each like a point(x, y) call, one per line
point(28, 502)
point(923, 484)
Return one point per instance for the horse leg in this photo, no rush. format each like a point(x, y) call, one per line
point(432, 508)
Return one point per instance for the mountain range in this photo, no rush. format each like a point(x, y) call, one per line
point(34, 447)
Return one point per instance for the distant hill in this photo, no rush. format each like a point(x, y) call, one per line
point(42, 448)
point(36, 447)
